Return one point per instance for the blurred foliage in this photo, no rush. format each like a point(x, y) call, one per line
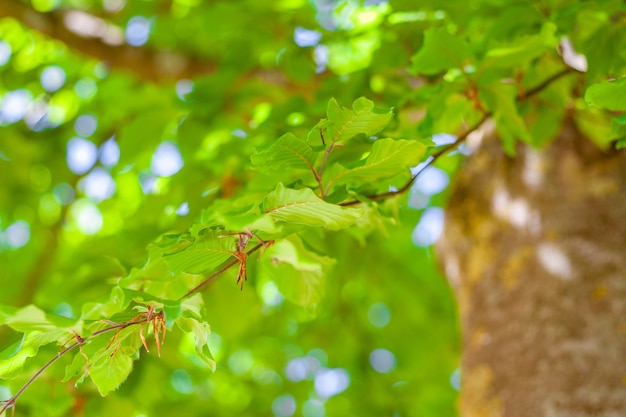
point(125, 185)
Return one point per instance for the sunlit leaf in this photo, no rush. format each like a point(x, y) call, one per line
point(201, 331)
point(298, 272)
point(343, 124)
point(109, 373)
point(304, 207)
point(441, 51)
point(388, 158)
point(288, 151)
point(610, 95)
point(203, 253)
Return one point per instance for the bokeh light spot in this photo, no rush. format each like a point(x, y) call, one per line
point(313, 408)
point(86, 125)
point(65, 310)
point(137, 31)
point(18, 234)
point(109, 153)
point(98, 184)
point(330, 382)
point(432, 181)
point(63, 193)
point(166, 160)
point(240, 362)
point(85, 88)
point(429, 227)
point(5, 52)
point(270, 294)
point(378, 315)
point(14, 105)
point(184, 87)
point(181, 381)
point(284, 406)
point(81, 155)
point(306, 37)
point(87, 216)
point(455, 379)
point(183, 209)
point(52, 78)
point(382, 360)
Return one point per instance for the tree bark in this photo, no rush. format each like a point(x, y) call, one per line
point(535, 247)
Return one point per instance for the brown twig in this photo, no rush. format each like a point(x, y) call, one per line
point(219, 272)
point(437, 154)
point(10, 403)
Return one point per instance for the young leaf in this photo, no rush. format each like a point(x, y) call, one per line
point(343, 124)
point(298, 272)
point(287, 152)
point(201, 331)
point(205, 253)
point(110, 371)
point(304, 207)
point(388, 158)
point(610, 95)
point(441, 51)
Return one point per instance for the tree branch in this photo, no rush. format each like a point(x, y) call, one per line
point(10, 403)
point(150, 64)
point(436, 155)
point(223, 269)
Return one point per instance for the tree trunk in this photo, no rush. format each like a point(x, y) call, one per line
point(535, 247)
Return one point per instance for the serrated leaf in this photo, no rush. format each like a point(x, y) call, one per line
point(287, 152)
point(304, 207)
point(205, 253)
point(298, 272)
point(109, 372)
point(610, 95)
point(441, 51)
point(201, 332)
point(15, 356)
point(32, 318)
point(388, 158)
point(343, 124)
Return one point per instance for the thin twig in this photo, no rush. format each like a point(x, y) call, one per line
point(223, 269)
point(436, 155)
point(81, 341)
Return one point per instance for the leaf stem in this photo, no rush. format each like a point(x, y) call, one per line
point(219, 272)
point(436, 155)
point(80, 341)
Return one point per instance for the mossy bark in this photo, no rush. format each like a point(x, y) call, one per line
point(535, 246)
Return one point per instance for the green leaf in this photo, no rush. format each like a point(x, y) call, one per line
point(298, 272)
point(343, 124)
point(522, 51)
point(618, 127)
point(201, 332)
point(388, 158)
point(287, 152)
point(109, 372)
point(203, 254)
point(14, 356)
point(441, 51)
point(31, 318)
point(304, 207)
point(501, 101)
point(610, 95)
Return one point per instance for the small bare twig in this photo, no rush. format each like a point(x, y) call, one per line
point(223, 269)
point(10, 403)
